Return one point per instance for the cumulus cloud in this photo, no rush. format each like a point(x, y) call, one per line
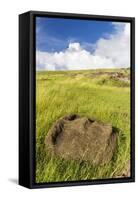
point(110, 52)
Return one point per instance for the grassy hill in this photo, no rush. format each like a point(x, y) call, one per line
point(100, 94)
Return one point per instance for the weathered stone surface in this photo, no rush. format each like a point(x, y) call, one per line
point(80, 138)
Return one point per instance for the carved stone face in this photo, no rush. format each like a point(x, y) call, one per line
point(80, 138)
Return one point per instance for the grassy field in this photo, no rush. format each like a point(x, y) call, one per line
point(98, 94)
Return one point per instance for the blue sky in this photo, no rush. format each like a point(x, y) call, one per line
point(71, 44)
point(54, 34)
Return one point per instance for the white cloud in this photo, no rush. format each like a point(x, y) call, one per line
point(113, 51)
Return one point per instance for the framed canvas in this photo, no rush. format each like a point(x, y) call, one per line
point(76, 99)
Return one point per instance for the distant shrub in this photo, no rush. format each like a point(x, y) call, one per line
point(106, 80)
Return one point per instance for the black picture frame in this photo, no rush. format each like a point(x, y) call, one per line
point(27, 98)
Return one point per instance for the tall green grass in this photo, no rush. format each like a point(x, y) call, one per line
point(65, 92)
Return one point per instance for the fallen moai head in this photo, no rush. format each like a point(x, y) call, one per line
point(80, 138)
